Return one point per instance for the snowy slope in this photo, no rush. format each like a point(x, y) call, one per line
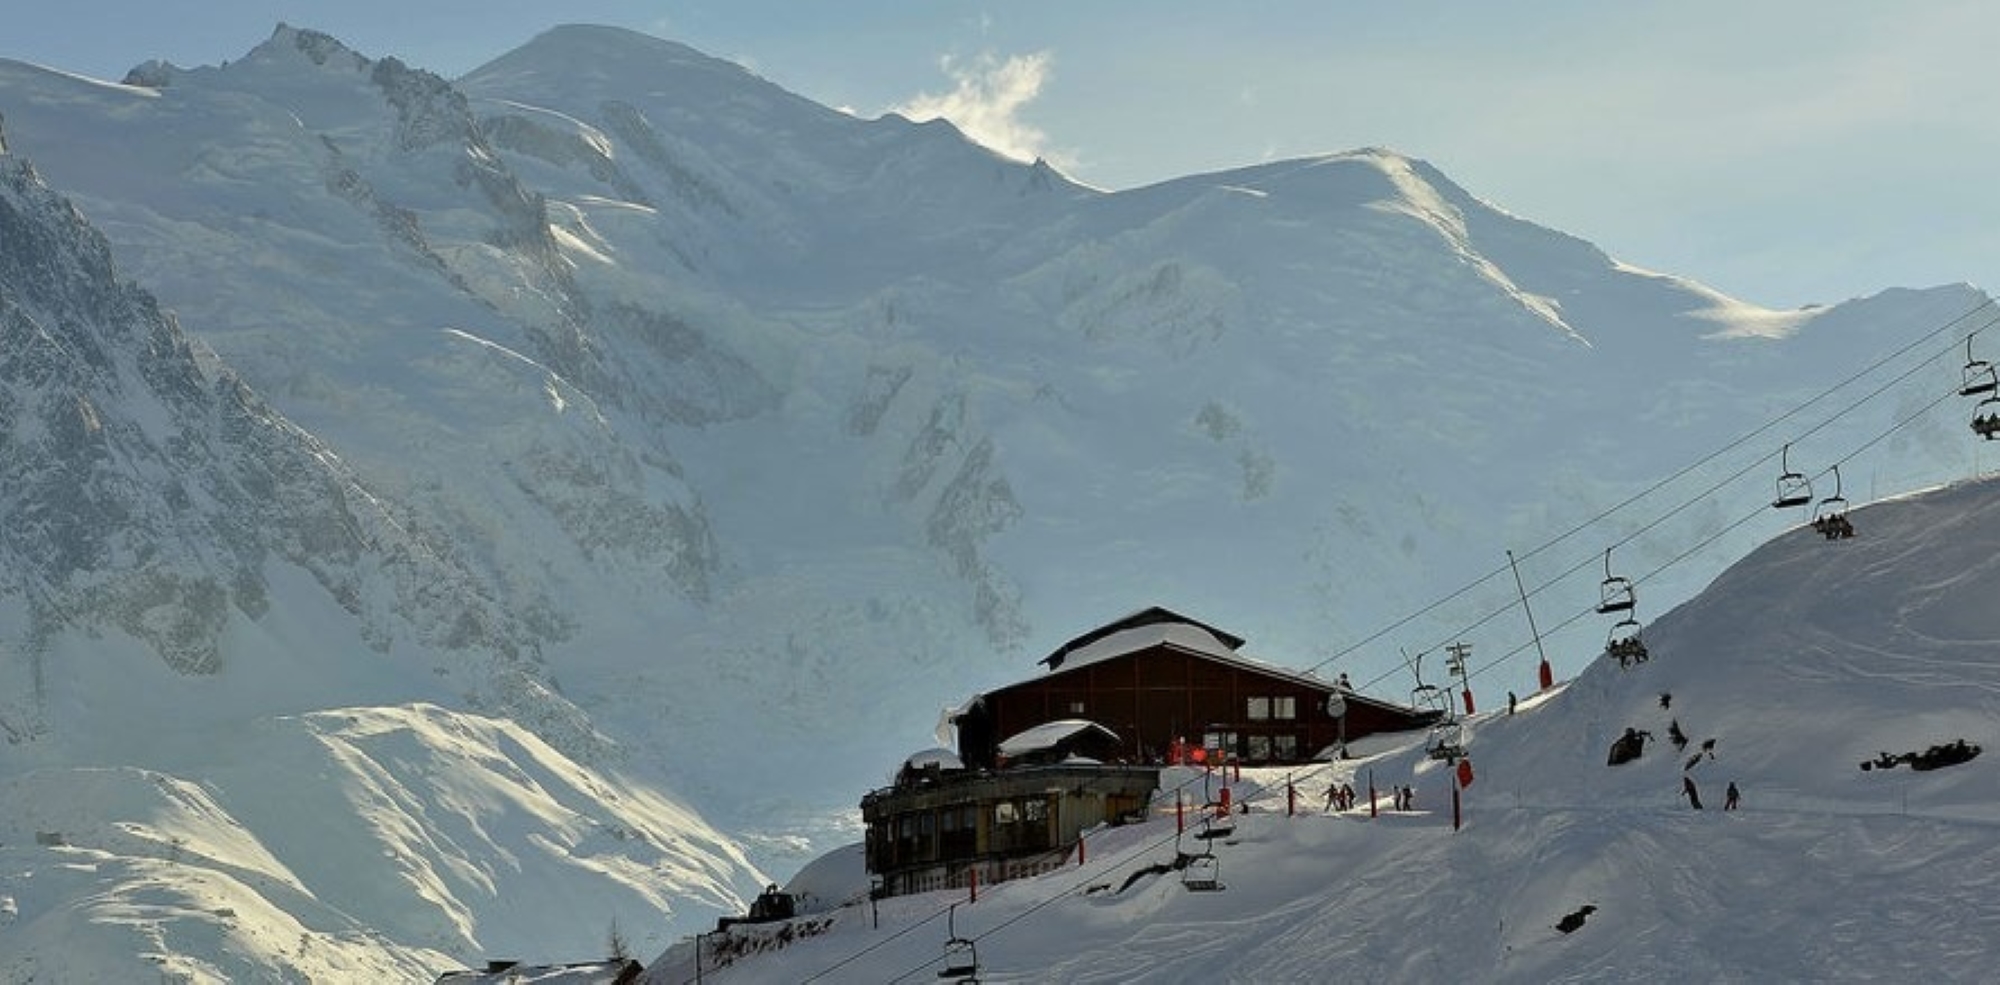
point(365, 844)
point(1801, 661)
point(740, 420)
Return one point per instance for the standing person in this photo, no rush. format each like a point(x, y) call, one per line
point(1729, 797)
point(1346, 797)
point(1693, 795)
point(1510, 702)
point(1333, 797)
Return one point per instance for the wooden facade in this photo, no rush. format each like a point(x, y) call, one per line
point(1157, 679)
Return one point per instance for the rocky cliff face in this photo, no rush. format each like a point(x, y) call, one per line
point(181, 567)
point(682, 417)
point(150, 491)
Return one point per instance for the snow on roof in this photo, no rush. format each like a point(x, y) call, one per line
point(1125, 641)
point(1198, 640)
point(1047, 735)
point(940, 757)
point(586, 973)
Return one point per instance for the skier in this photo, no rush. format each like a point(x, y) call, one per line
point(1510, 702)
point(1729, 798)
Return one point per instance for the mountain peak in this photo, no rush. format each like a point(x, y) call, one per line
point(318, 46)
point(611, 58)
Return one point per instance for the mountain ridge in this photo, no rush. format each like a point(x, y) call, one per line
point(717, 436)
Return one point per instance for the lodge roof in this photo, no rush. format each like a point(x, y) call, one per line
point(1050, 735)
point(1150, 616)
point(1158, 627)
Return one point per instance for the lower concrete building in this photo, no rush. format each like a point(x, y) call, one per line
point(942, 826)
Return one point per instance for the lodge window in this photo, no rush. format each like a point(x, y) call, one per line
point(1260, 748)
point(1219, 741)
point(1285, 707)
point(1020, 825)
point(1286, 746)
point(1076, 707)
point(958, 831)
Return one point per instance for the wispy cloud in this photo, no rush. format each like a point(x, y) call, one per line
point(986, 99)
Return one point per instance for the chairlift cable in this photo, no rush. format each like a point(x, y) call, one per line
point(1676, 476)
point(1702, 496)
point(1704, 543)
point(1546, 545)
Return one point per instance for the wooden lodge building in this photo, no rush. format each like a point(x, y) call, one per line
point(1044, 760)
point(1162, 681)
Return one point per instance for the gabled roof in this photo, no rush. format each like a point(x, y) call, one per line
point(1152, 616)
point(1158, 628)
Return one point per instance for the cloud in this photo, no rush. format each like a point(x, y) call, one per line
point(986, 99)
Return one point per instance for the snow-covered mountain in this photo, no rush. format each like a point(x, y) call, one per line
point(715, 437)
point(1798, 665)
point(221, 800)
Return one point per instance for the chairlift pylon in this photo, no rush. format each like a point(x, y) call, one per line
point(1616, 592)
point(1979, 375)
point(1794, 489)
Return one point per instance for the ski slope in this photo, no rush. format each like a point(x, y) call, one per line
point(1801, 661)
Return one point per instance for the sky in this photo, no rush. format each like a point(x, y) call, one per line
point(1785, 152)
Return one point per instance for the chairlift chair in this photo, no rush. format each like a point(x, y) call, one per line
point(961, 954)
point(1979, 375)
point(1428, 697)
point(1446, 742)
point(1830, 516)
point(1624, 645)
point(961, 961)
point(1794, 489)
point(1202, 873)
point(1986, 418)
point(1616, 591)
